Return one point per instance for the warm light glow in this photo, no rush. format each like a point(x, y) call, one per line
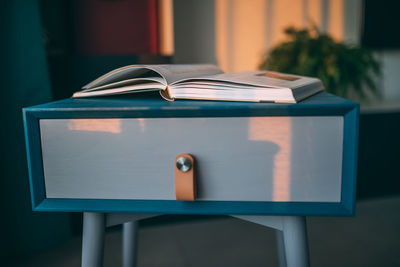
point(276, 130)
point(166, 27)
point(336, 21)
point(245, 29)
point(142, 124)
point(95, 125)
point(314, 16)
point(240, 34)
point(286, 13)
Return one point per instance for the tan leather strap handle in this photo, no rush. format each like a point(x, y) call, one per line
point(185, 179)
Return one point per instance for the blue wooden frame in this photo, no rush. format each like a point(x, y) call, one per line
point(322, 104)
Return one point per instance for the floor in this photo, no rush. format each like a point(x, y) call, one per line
point(371, 238)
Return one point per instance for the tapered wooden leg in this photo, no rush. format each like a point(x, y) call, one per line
point(93, 239)
point(129, 244)
point(295, 241)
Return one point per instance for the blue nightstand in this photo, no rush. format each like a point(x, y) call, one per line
point(272, 164)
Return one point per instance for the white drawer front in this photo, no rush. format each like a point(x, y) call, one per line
point(238, 158)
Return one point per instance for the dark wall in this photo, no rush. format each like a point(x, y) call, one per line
point(378, 159)
point(380, 23)
point(24, 81)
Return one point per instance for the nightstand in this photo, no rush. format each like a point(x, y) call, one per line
point(273, 164)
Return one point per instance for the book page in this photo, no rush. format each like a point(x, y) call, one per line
point(177, 72)
point(234, 95)
point(218, 85)
point(120, 74)
point(144, 87)
point(256, 78)
point(166, 73)
point(131, 82)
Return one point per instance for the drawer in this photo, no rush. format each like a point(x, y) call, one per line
point(261, 158)
point(117, 155)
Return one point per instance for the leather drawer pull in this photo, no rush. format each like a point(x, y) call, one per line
point(185, 179)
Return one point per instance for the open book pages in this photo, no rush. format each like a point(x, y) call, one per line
point(204, 82)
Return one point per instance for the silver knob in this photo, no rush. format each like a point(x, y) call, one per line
point(183, 164)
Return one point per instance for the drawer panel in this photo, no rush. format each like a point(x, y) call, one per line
point(238, 158)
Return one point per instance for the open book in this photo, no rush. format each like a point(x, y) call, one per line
point(205, 82)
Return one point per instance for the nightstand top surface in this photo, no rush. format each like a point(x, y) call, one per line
point(319, 104)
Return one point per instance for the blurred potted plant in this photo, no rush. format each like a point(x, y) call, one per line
point(342, 68)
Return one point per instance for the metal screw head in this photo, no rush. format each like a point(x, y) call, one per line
point(183, 164)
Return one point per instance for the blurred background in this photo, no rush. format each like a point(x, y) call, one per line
point(50, 49)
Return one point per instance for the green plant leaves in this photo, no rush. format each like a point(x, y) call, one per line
point(341, 67)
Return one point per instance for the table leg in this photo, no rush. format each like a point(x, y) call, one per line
point(291, 238)
point(93, 239)
point(281, 248)
point(295, 241)
point(129, 244)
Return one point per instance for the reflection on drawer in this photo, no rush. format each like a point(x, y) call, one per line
point(238, 158)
